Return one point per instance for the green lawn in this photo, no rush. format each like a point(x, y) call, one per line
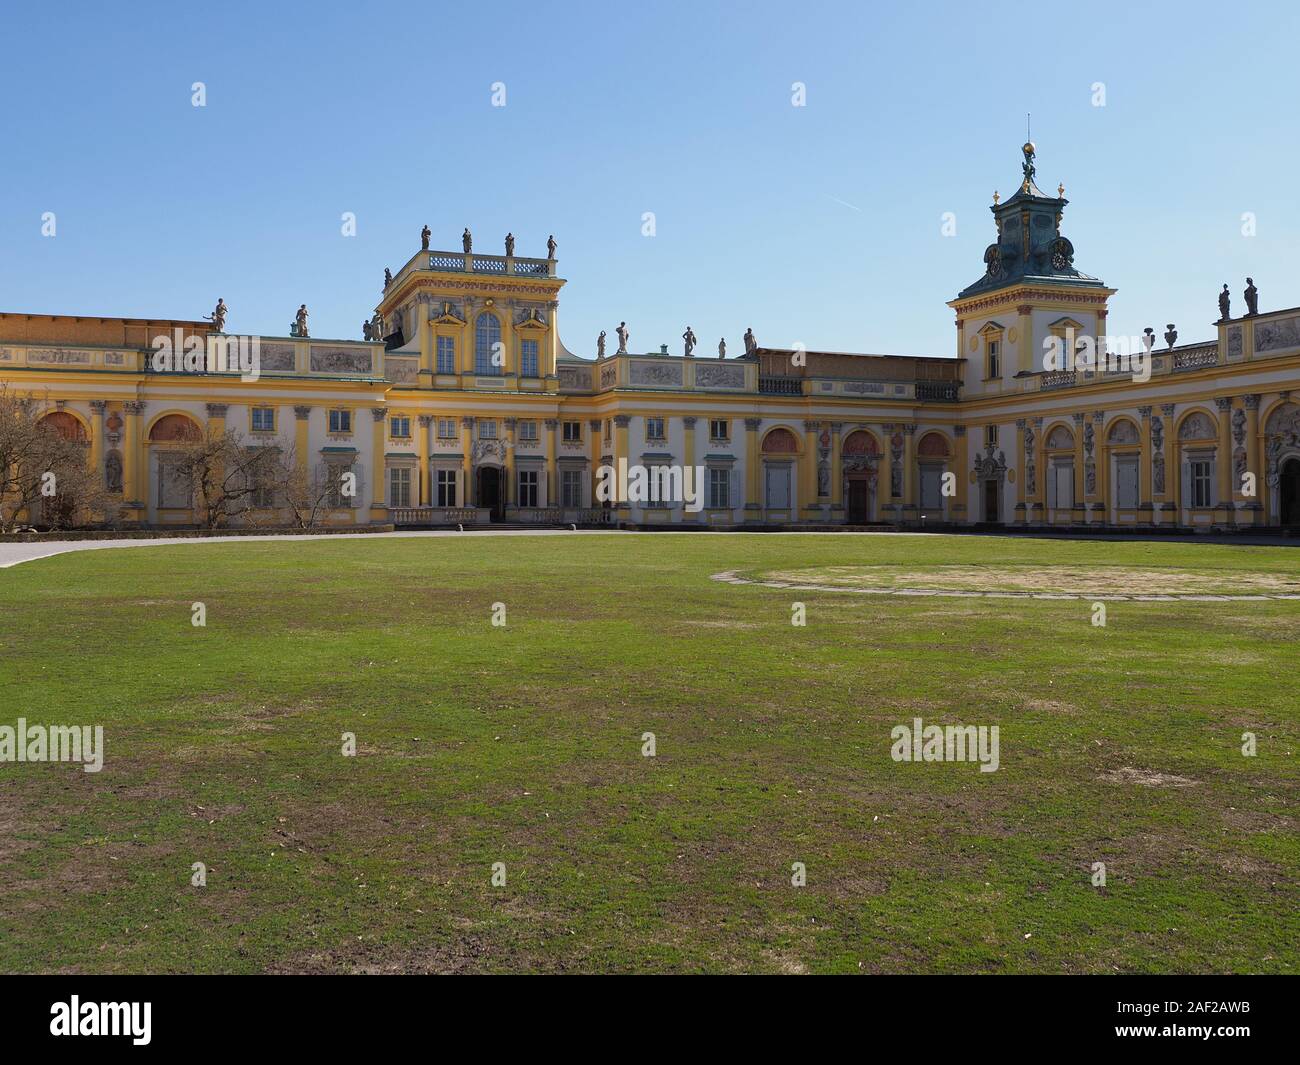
point(522, 744)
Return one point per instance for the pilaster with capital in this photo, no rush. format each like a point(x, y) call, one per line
point(1223, 459)
point(752, 466)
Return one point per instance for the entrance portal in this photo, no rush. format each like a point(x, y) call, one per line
point(489, 491)
point(991, 509)
point(1290, 493)
point(858, 500)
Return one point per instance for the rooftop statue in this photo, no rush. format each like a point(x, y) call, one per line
point(301, 321)
point(467, 240)
point(1225, 301)
point(550, 246)
point(218, 317)
point(510, 244)
point(689, 337)
point(600, 345)
point(388, 278)
point(1252, 298)
point(425, 234)
point(722, 348)
point(623, 336)
point(751, 345)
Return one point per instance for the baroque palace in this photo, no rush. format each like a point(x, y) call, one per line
point(463, 406)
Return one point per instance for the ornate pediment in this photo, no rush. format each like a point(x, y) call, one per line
point(992, 465)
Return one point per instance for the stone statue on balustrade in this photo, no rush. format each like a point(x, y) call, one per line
point(689, 338)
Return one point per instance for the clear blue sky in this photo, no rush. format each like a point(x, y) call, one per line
point(818, 225)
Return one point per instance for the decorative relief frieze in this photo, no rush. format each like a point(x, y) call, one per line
point(57, 357)
point(649, 373)
point(711, 375)
point(340, 360)
point(1275, 335)
point(276, 358)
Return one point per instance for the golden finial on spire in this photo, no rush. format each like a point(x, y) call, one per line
point(996, 197)
point(1060, 190)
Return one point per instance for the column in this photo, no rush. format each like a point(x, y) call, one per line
point(688, 461)
point(1022, 484)
point(300, 437)
point(622, 451)
point(837, 472)
point(1078, 508)
point(134, 492)
point(962, 474)
point(1028, 361)
point(1038, 491)
point(424, 497)
point(552, 472)
point(1254, 504)
point(1100, 495)
point(1223, 459)
point(910, 501)
point(427, 346)
point(510, 490)
point(466, 493)
point(97, 408)
point(753, 498)
point(595, 427)
point(1172, 476)
point(379, 490)
point(1146, 495)
point(808, 476)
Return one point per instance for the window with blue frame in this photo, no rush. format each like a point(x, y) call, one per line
point(528, 358)
point(488, 352)
point(446, 354)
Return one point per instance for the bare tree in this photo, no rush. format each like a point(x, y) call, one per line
point(308, 494)
point(45, 476)
point(230, 480)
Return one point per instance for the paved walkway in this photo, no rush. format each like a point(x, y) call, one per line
point(13, 554)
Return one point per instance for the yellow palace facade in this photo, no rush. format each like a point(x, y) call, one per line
point(468, 409)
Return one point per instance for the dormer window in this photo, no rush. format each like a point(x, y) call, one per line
point(992, 359)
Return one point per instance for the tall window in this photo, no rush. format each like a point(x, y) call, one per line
point(488, 352)
point(528, 359)
point(446, 428)
point(340, 421)
point(446, 488)
point(399, 486)
point(528, 488)
point(992, 359)
point(990, 435)
point(528, 431)
point(654, 428)
point(399, 426)
point(263, 419)
point(487, 428)
point(1202, 478)
point(719, 429)
point(343, 485)
point(571, 488)
point(572, 432)
point(719, 488)
point(446, 354)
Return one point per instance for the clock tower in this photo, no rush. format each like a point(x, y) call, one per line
point(1030, 290)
